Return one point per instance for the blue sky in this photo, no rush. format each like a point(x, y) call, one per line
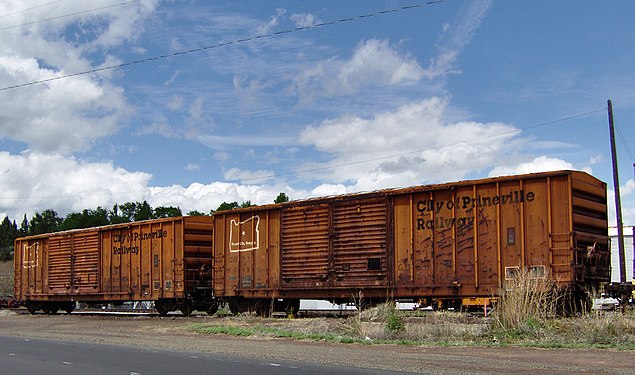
point(436, 93)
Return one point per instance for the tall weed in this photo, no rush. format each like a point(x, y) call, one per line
point(525, 304)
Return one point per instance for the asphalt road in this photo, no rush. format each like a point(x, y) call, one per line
point(46, 357)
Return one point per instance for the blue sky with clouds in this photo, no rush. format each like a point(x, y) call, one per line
point(435, 93)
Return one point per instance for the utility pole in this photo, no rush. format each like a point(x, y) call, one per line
point(618, 201)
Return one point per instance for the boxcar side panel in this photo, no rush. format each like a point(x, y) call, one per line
point(30, 270)
point(59, 266)
point(511, 233)
point(536, 226)
point(359, 250)
point(142, 261)
point(486, 222)
point(222, 266)
point(246, 253)
point(561, 244)
point(403, 214)
point(305, 243)
point(467, 267)
point(443, 241)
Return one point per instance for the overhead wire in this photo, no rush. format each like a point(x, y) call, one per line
point(31, 8)
point(623, 139)
point(69, 15)
point(221, 44)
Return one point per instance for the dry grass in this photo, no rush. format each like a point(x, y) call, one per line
point(526, 315)
point(526, 303)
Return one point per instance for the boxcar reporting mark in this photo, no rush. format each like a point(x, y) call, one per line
point(244, 235)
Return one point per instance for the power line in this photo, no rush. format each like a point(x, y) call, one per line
point(68, 15)
point(628, 149)
point(222, 44)
point(31, 8)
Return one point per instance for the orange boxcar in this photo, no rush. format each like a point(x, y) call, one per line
point(447, 243)
point(167, 261)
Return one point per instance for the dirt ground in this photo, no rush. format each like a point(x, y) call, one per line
point(6, 278)
point(169, 333)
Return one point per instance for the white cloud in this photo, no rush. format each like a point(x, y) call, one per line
point(373, 63)
point(539, 164)
point(274, 20)
point(66, 115)
point(236, 174)
point(192, 167)
point(304, 19)
point(176, 102)
point(34, 182)
point(412, 145)
point(627, 197)
point(60, 117)
point(457, 36)
point(208, 197)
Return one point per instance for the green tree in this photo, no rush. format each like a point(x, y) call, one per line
point(281, 198)
point(116, 216)
point(85, 219)
point(227, 206)
point(163, 212)
point(127, 211)
point(247, 204)
point(143, 212)
point(24, 227)
point(8, 233)
point(45, 222)
point(135, 211)
point(195, 213)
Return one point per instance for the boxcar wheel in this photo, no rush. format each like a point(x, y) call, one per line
point(69, 307)
point(161, 307)
point(186, 308)
point(32, 307)
point(213, 308)
point(237, 305)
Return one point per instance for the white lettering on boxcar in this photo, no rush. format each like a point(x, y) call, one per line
point(244, 235)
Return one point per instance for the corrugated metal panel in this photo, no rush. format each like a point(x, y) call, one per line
point(59, 264)
point(86, 261)
point(305, 244)
point(359, 243)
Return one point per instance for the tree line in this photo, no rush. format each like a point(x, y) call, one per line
point(48, 221)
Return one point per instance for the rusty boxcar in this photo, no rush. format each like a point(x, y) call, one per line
point(451, 244)
point(167, 261)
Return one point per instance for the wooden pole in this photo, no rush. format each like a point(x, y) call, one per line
point(618, 202)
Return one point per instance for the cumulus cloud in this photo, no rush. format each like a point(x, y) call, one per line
point(539, 164)
point(60, 117)
point(373, 63)
point(412, 145)
point(33, 182)
point(66, 115)
point(206, 197)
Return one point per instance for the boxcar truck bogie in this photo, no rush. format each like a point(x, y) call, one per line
point(167, 261)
